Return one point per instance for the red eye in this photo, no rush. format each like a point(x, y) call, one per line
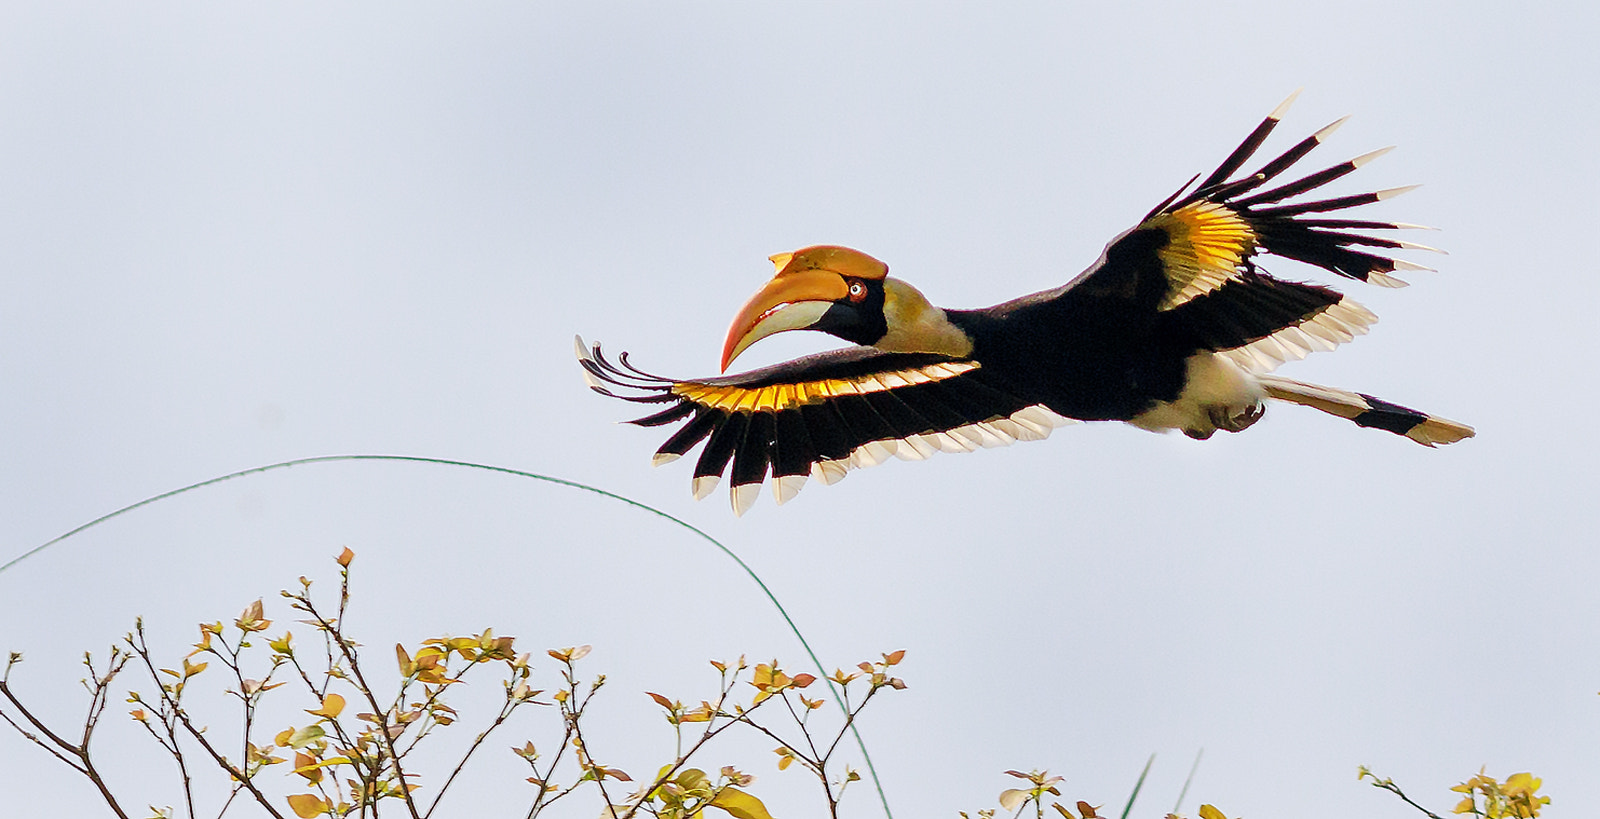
point(858, 291)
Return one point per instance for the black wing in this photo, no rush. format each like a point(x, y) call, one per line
point(1194, 259)
point(823, 415)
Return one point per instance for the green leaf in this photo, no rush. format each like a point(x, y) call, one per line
point(303, 737)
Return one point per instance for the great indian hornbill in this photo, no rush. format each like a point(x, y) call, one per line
point(1175, 327)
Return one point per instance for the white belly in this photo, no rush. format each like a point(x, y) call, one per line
point(1217, 394)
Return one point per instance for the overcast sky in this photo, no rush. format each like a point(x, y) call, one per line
point(237, 234)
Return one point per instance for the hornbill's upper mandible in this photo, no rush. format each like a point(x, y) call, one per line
point(1175, 327)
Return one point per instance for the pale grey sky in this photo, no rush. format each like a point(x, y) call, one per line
point(235, 235)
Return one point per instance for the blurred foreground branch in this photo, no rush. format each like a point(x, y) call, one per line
point(352, 761)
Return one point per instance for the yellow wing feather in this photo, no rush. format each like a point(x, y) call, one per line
point(776, 397)
point(1208, 246)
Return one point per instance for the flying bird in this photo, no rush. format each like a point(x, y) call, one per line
point(1176, 327)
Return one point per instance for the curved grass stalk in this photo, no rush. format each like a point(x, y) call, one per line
point(821, 672)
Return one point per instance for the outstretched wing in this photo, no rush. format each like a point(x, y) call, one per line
point(823, 415)
point(1194, 259)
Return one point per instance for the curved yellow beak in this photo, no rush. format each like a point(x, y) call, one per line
point(807, 283)
point(791, 301)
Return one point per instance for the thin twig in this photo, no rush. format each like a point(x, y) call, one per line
point(383, 724)
point(1395, 789)
point(593, 768)
point(85, 764)
point(142, 650)
point(505, 713)
point(348, 652)
point(40, 727)
point(538, 799)
point(706, 736)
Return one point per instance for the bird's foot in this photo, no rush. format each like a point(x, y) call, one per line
point(1237, 423)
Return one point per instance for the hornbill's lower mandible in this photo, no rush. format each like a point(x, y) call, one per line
point(1175, 327)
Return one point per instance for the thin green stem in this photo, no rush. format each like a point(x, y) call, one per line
point(1138, 786)
point(860, 743)
point(1189, 779)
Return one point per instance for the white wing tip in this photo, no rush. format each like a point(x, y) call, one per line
point(1283, 107)
point(785, 488)
point(1327, 130)
point(584, 354)
point(1369, 156)
point(1435, 431)
point(830, 472)
point(1391, 193)
point(1414, 246)
point(743, 496)
point(704, 485)
point(661, 458)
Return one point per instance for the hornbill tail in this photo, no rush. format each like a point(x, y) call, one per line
point(1367, 411)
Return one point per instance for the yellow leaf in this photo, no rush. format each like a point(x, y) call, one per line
point(306, 766)
point(407, 668)
point(308, 806)
point(762, 678)
point(303, 737)
point(1012, 798)
point(893, 658)
point(501, 648)
point(739, 804)
point(690, 778)
point(345, 557)
point(1210, 812)
point(1523, 781)
point(332, 705)
point(251, 618)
